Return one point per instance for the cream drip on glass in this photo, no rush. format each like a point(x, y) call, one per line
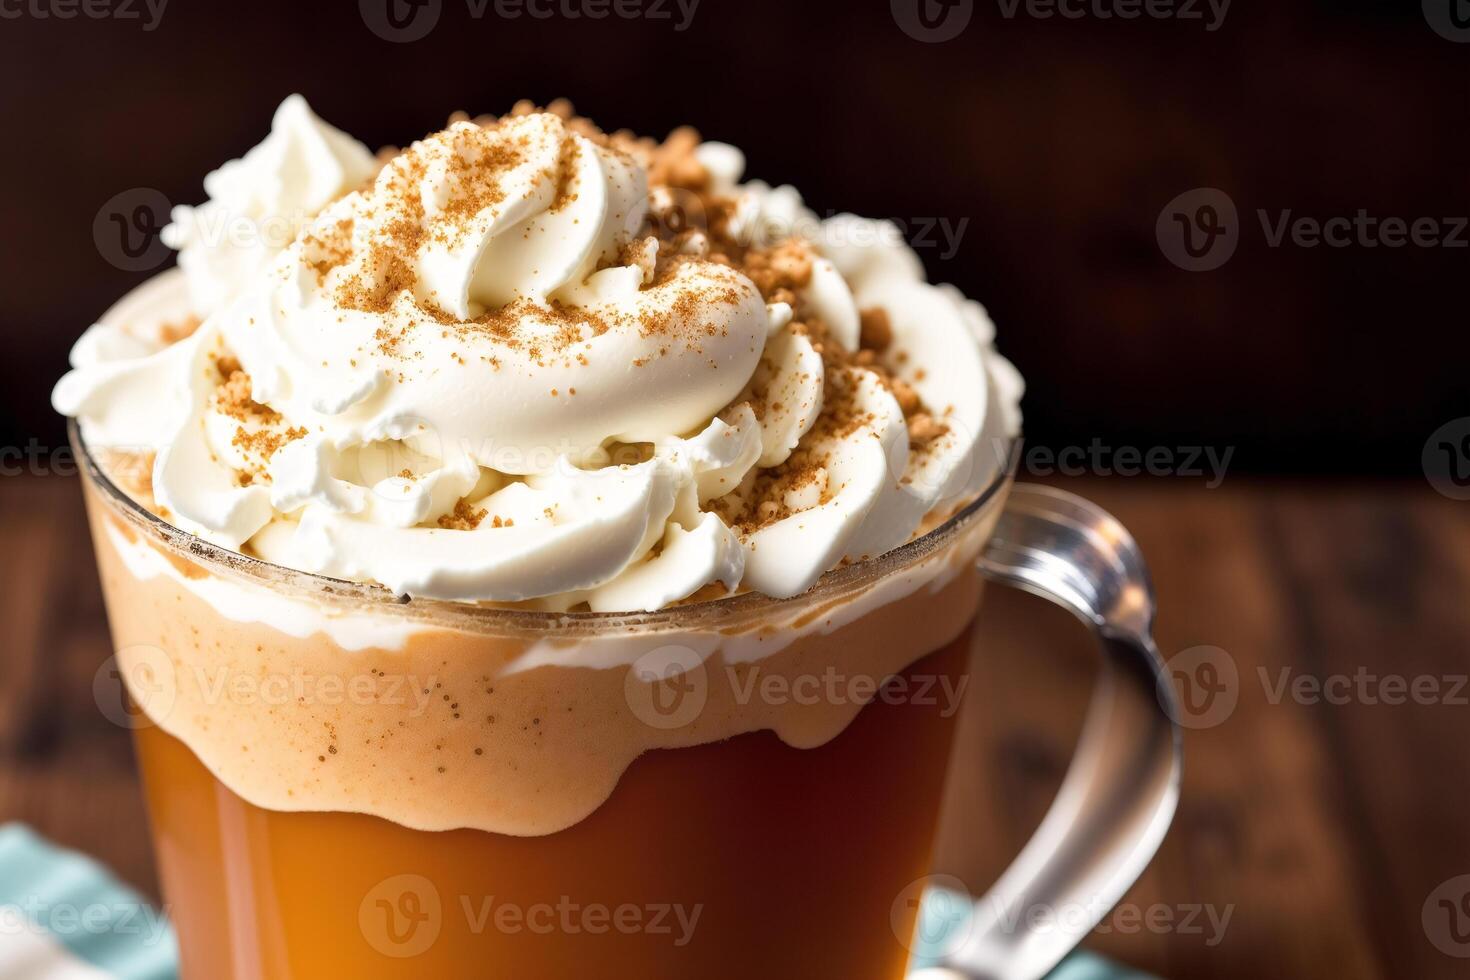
point(524, 361)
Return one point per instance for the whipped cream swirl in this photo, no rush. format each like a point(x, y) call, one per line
point(259, 203)
point(510, 369)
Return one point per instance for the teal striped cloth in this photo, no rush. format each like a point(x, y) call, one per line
point(64, 917)
point(940, 924)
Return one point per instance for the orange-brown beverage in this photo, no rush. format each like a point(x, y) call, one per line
point(412, 791)
point(730, 860)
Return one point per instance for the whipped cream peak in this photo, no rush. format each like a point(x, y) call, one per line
point(259, 203)
point(527, 361)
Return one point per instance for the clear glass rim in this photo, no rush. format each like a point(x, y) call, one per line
point(708, 613)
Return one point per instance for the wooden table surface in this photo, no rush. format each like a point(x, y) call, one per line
point(1313, 832)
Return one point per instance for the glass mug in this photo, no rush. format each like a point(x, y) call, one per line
point(748, 856)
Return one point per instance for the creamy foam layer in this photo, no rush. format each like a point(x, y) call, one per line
point(505, 730)
point(530, 362)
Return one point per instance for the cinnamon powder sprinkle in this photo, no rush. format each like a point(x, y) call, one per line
point(464, 518)
point(266, 442)
point(260, 433)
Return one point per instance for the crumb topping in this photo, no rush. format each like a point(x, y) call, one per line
point(261, 430)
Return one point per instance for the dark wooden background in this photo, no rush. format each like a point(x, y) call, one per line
point(1321, 830)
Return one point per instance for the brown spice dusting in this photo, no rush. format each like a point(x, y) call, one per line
point(464, 518)
point(473, 166)
point(262, 429)
point(766, 497)
point(566, 173)
point(328, 245)
point(674, 164)
point(908, 398)
point(924, 429)
point(265, 442)
point(781, 271)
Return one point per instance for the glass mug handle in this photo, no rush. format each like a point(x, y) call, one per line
point(1119, 794)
